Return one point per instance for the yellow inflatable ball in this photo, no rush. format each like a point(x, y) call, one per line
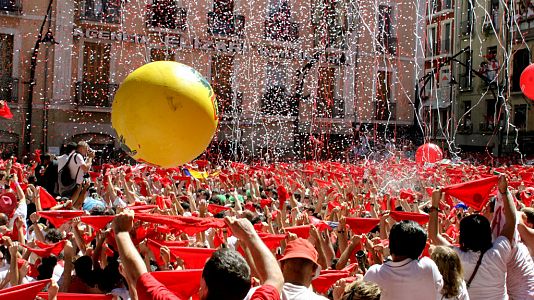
point(165, 114)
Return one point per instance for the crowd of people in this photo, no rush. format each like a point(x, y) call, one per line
point(388, 229)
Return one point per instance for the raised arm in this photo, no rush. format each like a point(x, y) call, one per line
point(509, 210)
point(433, 226)
point(266, 264)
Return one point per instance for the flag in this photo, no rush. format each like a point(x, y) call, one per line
point(47, 201)
point(473, 193)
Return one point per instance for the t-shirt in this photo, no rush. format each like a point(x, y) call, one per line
point(266, 292)
point(299, 292)
point(520, 277)
point(489, 281)
point(89, 203)
point(462, 294)
point(407, 279)
point(75, 167)
point(148, 288)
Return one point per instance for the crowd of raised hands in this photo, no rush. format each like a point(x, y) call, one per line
point(367, 230)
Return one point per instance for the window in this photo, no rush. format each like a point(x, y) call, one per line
point(446, 38)
point(432, 42)
point(167, 14)
point(520, 62)
point(101, 10)
point(95, 88)
point(325, 92)
point(466, 79)
point(8, 85)
point(439, 122)
point(434, 6)
point(221, 81)
point(384, 108)
point(520, 116)
point(11, 5)
point(278, 25)
point(466, 122)
point(466, 26)
point(276, 96)
point(387, 42)
point(161, 54)
point(329, 23)
point(222, 20)
point(446, 4)
point(491, 116)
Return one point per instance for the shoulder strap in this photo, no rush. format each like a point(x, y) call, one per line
point(479, 262)
point(68, 162)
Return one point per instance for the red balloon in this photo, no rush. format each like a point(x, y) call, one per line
point(526, 81)
point(428, 153)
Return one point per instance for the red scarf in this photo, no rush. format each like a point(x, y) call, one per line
point(46, 250)
point(23, 291)
point(362, 225)
point(47, 201)
point(301, 231)
point(58, 217)
point(76, 296)
point(473, 193)
point(322, 283)
point(97, 222)
point(422, 219)
point(183, 283)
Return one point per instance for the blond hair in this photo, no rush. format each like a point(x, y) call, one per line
point(450, 267)
point(361, 290)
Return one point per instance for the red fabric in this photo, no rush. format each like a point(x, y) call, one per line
point(402, 215)
point(215, 209)
point(148, 288)
point(265, 202)
point(301, 231)
point(272, 241)
point(183, 283)
point(47, 201)
point(188, 225)
point(527, 196)
point(94, 175)
point(58, 217)
point(322, 283)
point(8, 203)
point(37, 156)
point(320, 224)
point(142, 208)
point(76, 296)
point(407, 195)
point(322, 183)
point(45, 250)
point(362, 225)
point(283, 195)
point(194, 258)
point(163, 202)
point(97, 222)
point(473, 193)
point(5, 112)
point(266, 292)
point(23, 291)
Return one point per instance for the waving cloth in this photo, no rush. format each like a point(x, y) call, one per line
point(46, 250)
point(272, 241)
point(322, 283)
point(194, 258)
point(47, 201)
point(183, 283)
point(301, 231)
point(23, 291)
point(188, 225)
point(97, 222)
point(362, 225)
point(5, 112)
point(215, 209)
point(422, 219)
point(58, 217)
point(473, 193)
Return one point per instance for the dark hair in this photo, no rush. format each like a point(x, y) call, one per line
point(475, 233)
point(111, 277)
point(407, 238)
point(53, 235)
point(227, 275)
point(84, 270)
point(46, 268)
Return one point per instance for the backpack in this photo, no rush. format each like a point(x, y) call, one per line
point(65, 175)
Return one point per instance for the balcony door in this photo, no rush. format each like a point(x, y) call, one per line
point(222, 69)
point(96, 64)
point(6, 66)
point(325, 92)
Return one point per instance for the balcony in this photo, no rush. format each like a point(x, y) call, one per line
point(466, 27)
point(226, 24)
point(490, 27)
point(287, 31)
point(95, 94)
point(465, 82)
point(445, 46)
point(9, 89)
point(174, 18)
point(11, 6)
point(486, 127)
point(108, 11)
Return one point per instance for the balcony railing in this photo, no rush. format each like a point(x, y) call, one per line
point(226, 24)
point(170, 18)
point(13, 6)
point(277, 31)
point(466, 82)
point(95, 94)
point(9, 89)
point(466, 27)
point(446, 46)
point(108, 11)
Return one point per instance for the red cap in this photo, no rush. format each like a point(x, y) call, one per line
point(8, 203)
point(300, 248)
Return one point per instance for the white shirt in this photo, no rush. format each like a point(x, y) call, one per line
point(520, 277)
point(299, 292)
point(489, 282)
point(408, 279)
point(462, 294)
point(21, 211)
point(75, 167)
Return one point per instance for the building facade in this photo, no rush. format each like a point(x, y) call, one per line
point(283, 71)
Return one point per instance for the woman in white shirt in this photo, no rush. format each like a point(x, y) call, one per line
point(450, 267)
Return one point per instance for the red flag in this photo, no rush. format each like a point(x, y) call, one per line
point(362, 225)
point(402, 215)
point(97, 222)
point(301, 231)
point(46, 250)
point(473, 193)
point(47, 201)
point(322, 283)
point(58, 217)
point(183, 283)
point(23, 291)
point(5, 112)
point(215, 209)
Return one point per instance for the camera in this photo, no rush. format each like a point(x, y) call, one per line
point(363, 263)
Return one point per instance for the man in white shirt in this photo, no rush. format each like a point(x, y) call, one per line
point(78, 166)
point(299, 266)
point(407, 276)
